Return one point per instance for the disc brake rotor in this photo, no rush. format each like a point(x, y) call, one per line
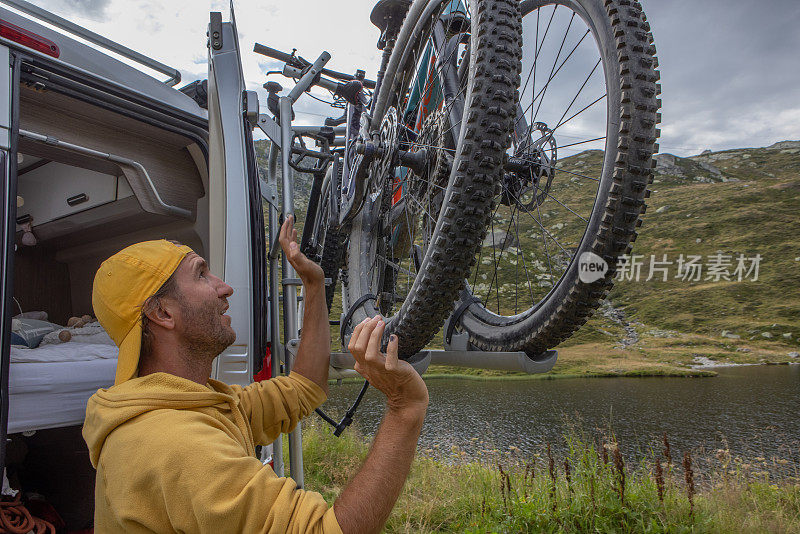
point(529, 186)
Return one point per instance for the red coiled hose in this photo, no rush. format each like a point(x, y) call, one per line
point(16, 519)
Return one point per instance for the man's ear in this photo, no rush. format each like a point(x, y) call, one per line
point(162, 312)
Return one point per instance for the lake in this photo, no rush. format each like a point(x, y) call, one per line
point(750, 410)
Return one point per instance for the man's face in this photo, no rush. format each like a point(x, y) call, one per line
point(203, 300)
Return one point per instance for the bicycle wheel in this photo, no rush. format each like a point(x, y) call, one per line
point(585, 132)
point(452, 107)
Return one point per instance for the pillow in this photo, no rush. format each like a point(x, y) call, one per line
point(29, 332)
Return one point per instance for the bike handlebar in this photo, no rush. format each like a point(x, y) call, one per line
point(294, 72)
point(298, 62)
point(335, 87)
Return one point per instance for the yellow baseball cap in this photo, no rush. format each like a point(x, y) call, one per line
point(121, 286)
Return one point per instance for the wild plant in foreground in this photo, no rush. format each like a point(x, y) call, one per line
point(667, 451)
point(505, 485)
point(619, 466)
point(604, 450)
point(659, 475)
point(552, 477)
point(567, 474)
point(689, 476)
point(529, 476)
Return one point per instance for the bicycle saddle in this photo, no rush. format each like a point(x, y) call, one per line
point(388, 10)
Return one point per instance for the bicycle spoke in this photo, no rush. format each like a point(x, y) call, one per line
point(404, 181)
point(494, 262)
point(539, 46)
point(572, 173)
point(516, 272)
point(536, 56)
point(539, 223)
point(439, 66)
point(425, 212)
point(447, 110)
point(491, 223)
point(438, 71)
point(561, 203)
point(581, 142)
point(393, 265)
point(551, 76)
point(544, 239)
point(497, 261)
point(560, 123)
point(524, 267)
point(444, 149)
point(578, 113)
point(554, 74)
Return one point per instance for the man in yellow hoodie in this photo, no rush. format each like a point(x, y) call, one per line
point(175, 450)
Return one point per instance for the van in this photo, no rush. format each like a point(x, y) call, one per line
point(97, 154)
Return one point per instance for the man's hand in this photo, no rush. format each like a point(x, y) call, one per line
point(397, 379)
point(310, 272)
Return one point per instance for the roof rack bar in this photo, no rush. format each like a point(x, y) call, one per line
point(55, 20)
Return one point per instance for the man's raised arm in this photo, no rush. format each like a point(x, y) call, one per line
point(366, 502)
point(314, 352)
point(368, 499)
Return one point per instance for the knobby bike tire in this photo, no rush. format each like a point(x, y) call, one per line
point(331, 241)
point(494, 76)
point(629, 56)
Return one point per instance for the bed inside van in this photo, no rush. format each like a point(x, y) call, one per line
point(90, 182)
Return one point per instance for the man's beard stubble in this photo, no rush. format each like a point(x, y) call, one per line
point(204, 331)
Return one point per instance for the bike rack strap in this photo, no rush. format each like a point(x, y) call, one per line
point(349, 315)
point(454, 318)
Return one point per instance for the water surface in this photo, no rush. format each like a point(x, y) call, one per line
point(752, 411)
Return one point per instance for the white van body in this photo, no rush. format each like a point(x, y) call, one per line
point(97, 155)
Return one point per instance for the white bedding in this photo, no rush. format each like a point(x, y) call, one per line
point(49, 385)
point(72, 351)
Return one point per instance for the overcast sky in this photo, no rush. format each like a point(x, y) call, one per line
point(730, 68)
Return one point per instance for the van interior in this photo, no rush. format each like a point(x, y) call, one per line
point(90, 182)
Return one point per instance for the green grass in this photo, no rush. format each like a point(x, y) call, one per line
point(504, 492)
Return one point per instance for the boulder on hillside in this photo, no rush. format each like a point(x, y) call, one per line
point(667, 164)
point(710, 168)
point(693, 168)
point(500, 239)
point(785, 144)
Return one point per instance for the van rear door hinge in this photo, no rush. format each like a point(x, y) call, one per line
point(250, 99)
point(215, 30)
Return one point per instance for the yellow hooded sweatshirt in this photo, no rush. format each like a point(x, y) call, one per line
point(174, 456)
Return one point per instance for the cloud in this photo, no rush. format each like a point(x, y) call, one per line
point(729, 69)
point(90, 9)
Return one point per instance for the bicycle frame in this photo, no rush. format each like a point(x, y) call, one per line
point(350, 141)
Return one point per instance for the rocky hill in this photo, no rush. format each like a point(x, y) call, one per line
point(742, 201)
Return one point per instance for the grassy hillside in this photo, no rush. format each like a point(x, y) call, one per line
point(733, 202)
point(742, 201)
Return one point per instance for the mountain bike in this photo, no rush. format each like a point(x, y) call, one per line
point(444, 189)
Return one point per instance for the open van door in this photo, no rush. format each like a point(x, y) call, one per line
point(8, 207)
point(237, 246)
